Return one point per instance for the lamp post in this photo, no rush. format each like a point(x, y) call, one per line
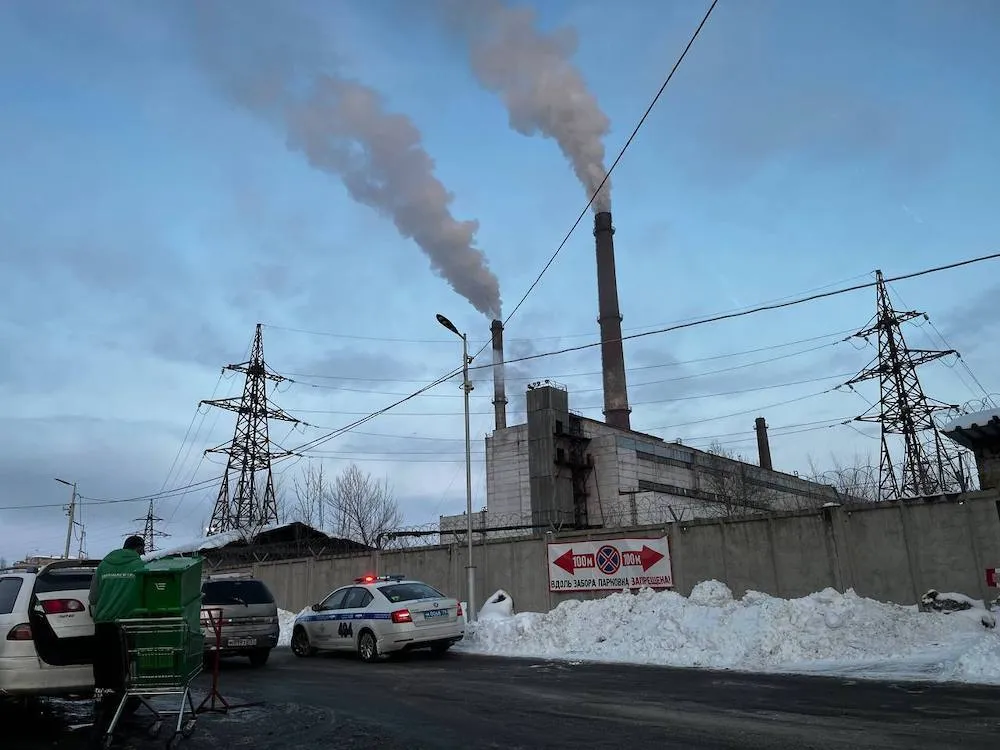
point(467, 387)
point(72, 514)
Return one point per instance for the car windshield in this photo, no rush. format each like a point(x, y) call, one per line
point(235, 592)
point(406, 592)
point(9, 589)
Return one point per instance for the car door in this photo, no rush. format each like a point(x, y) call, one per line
point(60, 619)
point(322, 625)
point(353, 616)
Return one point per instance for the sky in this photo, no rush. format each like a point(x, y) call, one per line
point(341, 172)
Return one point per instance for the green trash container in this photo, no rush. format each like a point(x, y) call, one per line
point(171, 587)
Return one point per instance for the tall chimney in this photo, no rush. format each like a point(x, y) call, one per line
point(763, 446)
point(499, 391)
point(616, 408)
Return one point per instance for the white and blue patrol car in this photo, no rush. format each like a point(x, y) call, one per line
point(379, 615)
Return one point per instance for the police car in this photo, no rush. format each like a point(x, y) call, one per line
point(379, 615)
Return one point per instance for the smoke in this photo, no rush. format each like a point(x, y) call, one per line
point(533, 74)
point(277, 67)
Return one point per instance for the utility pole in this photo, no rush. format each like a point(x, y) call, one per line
point(467, 388)
point(71, 512)
point(928, 467)
point(253, 504)
point(149, 531)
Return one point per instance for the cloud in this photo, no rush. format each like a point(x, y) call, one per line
point(365, 369)
point(835, 111)
point(101, 455)
point(277, 68)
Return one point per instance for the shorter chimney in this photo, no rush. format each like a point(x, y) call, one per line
point(499, 390)
point(763, 446)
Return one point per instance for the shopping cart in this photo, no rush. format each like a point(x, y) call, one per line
point(164, 654)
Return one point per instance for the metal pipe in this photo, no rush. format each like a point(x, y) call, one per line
point(72, 515)
point(499, 389)
point(763, 445)
point(616, 408)
point(469, 568)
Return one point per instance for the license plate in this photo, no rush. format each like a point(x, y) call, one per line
point(241, 642)
point(435, 613)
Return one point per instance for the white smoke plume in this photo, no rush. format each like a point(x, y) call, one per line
point(533, 73)
point(275, 65)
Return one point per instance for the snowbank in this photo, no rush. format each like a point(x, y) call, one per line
point(498, 606)
point(286, 620)
point(825, 633)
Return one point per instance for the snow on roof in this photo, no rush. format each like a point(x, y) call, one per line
point(976, 419)
point(210, 542)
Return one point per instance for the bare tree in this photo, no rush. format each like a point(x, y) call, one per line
point(735, 483)
point(3, 563)
point(312, 496)
point(857, 480)
point(362, 507)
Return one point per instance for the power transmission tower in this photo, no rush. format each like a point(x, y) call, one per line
point(149, 531)
point(253, 504)
point(929, 467)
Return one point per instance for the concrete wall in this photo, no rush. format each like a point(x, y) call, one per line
point(891, 552)
point(508, 489)
point(524, 481)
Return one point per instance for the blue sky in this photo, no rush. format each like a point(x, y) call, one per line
point(148, 221)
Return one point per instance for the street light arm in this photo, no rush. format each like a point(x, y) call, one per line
point(449, 325)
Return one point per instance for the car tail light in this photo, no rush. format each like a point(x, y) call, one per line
point(61, 606)
point(20, 632)
point(401, 616)
point(458, 613)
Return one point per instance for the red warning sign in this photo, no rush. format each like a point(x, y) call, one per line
point(611, 564)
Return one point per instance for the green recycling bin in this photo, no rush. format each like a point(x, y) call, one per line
point(171, 587)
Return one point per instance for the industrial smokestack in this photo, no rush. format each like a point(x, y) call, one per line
point(763, 446)
point(499, 390)
point(616, 408)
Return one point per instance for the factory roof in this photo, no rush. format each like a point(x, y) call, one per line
point(970, 430)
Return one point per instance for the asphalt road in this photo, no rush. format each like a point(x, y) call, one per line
point(463, 701)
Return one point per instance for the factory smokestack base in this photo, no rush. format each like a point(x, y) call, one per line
point(616, 408)
point(763, 444)
point(499, 389)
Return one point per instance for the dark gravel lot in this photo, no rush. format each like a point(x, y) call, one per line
point(464, 701)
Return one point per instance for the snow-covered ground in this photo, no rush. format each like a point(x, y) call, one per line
point(823, 633)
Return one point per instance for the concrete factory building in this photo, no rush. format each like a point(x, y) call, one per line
point(564, 470)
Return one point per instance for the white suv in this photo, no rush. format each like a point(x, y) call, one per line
point(46, 633)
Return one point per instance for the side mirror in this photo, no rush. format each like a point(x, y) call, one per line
point(316, 608)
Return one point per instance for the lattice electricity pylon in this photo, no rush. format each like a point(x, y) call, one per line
point(253, 504)
point(149, 532)
point(929, 466)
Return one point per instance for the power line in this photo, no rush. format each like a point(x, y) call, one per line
point(751, 311)
point(98, 502)
point(686, 397)
point(703, 321)
point(621, 153)
point(591, 373)
point(533, 339)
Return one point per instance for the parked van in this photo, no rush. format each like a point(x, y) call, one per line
point(248, 614)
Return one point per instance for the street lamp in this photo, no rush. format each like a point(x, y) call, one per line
point(72, 514)
point(467, 387)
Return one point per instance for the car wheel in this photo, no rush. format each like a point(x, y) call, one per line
point(300, 643)
point(440, 648)
point(259, 657)
point(367, 646)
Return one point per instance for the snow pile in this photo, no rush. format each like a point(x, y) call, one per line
point(826, 632)
point(286, 620)
point(498, 606)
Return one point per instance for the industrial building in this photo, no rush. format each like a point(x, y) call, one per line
point(560, 469)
